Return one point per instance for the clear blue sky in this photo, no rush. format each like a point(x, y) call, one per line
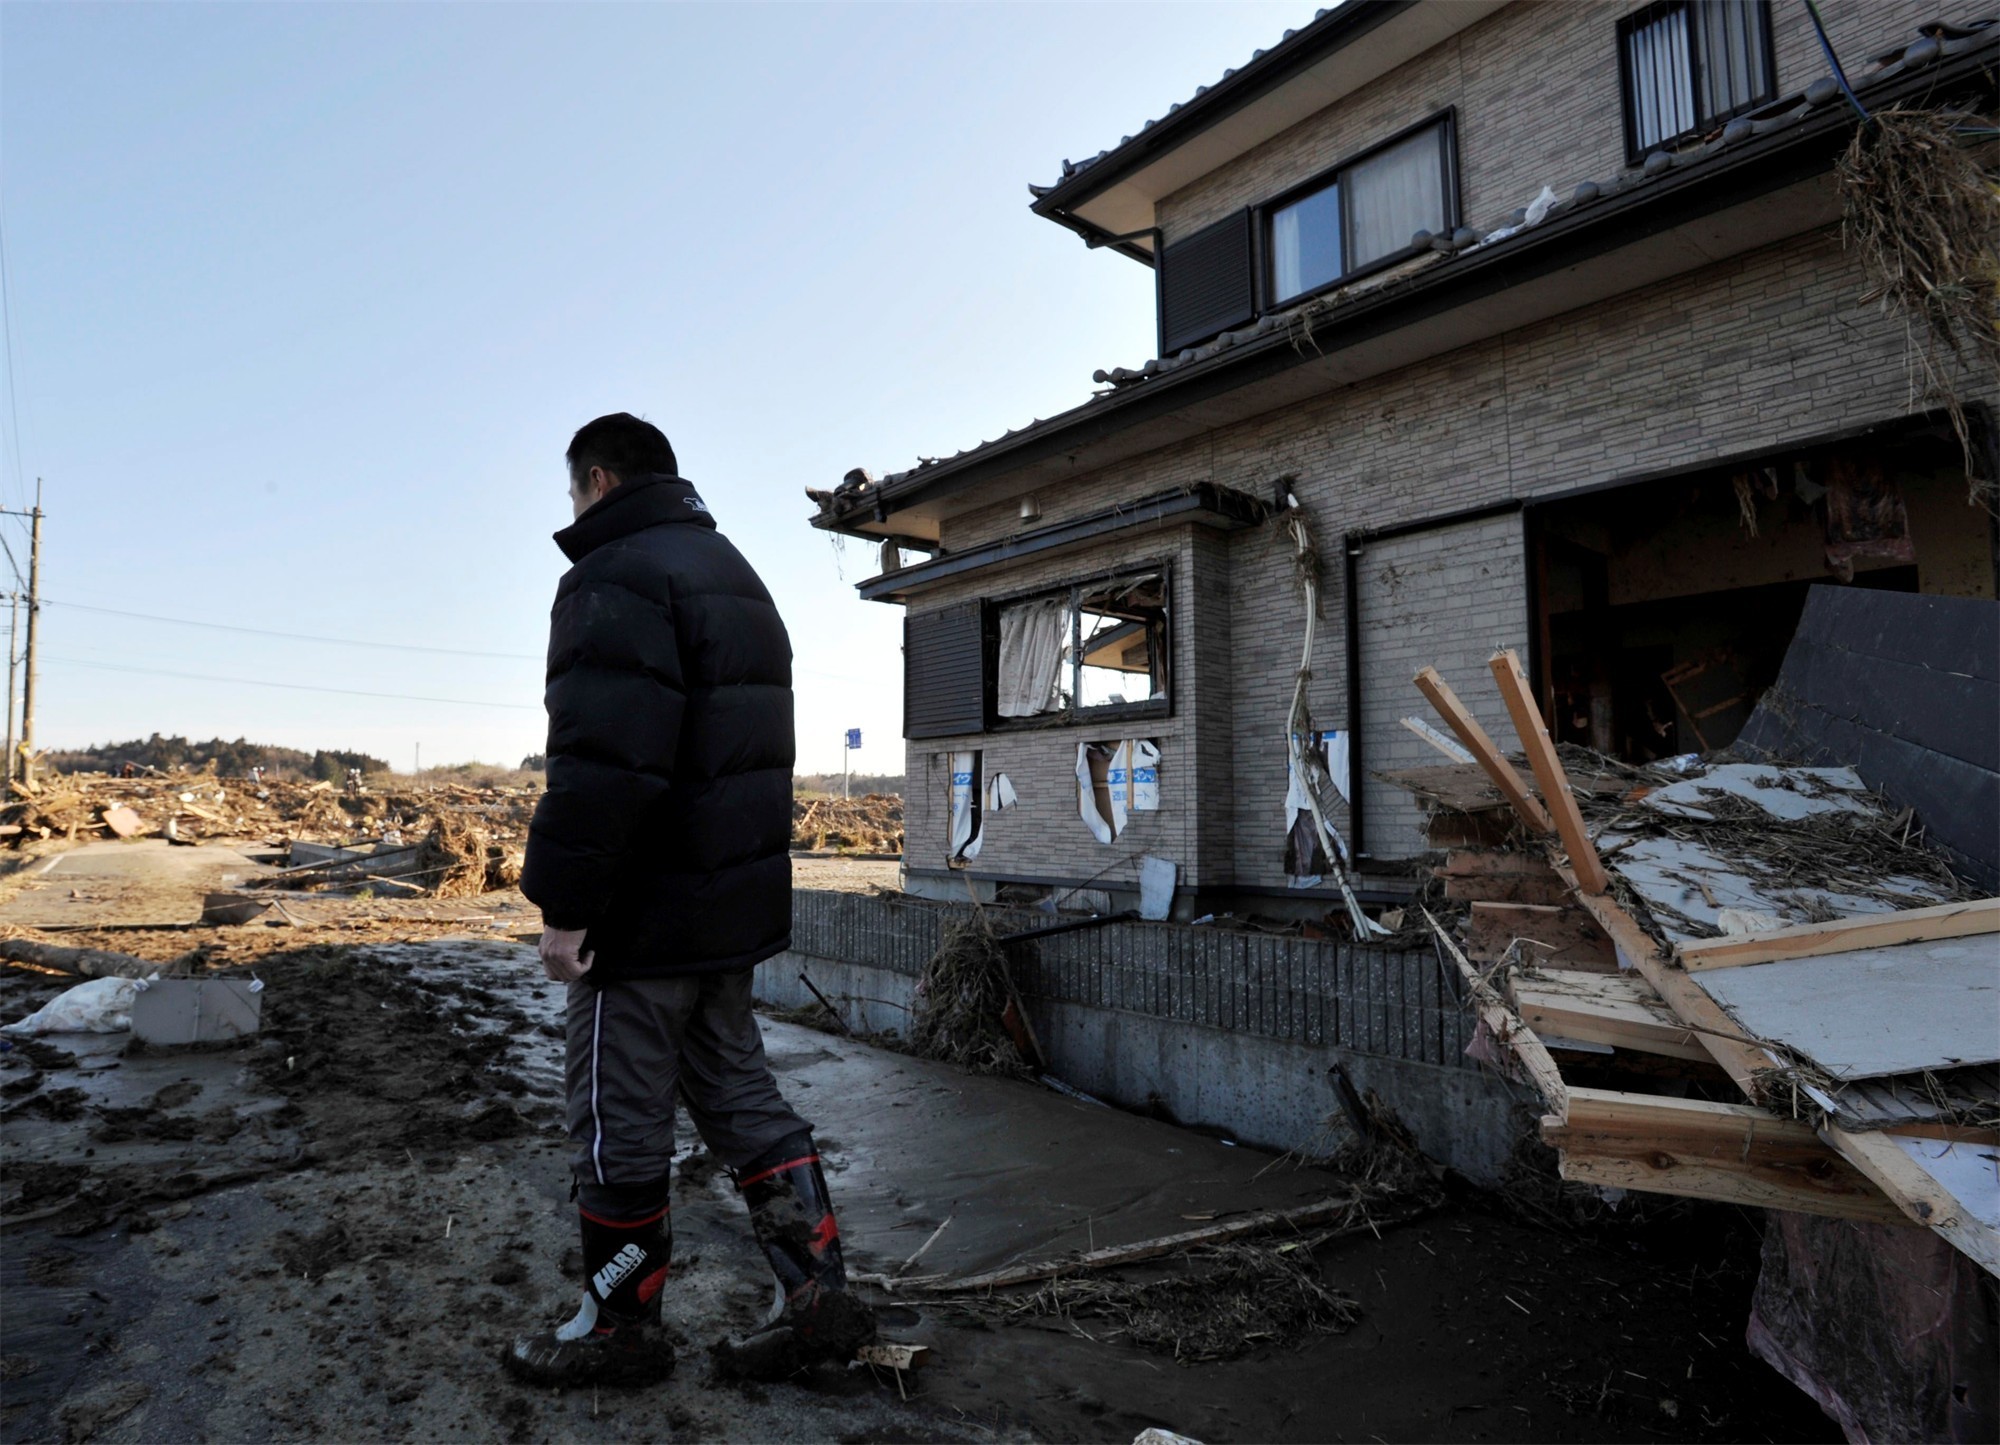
point(305, 301)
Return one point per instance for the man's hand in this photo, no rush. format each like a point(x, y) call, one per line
point(560, 960)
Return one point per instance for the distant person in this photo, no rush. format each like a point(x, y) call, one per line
point(659, 856)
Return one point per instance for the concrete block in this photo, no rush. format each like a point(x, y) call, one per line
point(197, 1010)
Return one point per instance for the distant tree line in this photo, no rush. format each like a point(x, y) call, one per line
point(228, 759)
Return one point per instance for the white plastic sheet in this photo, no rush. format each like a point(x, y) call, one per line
point(100, 1006)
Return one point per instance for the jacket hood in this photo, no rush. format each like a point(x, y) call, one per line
point(649, 501)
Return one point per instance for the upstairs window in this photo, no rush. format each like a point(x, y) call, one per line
point(1361, 215)
point(1689, 65)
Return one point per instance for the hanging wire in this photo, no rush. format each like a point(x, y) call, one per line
point(7, 333)
point(1839, 75)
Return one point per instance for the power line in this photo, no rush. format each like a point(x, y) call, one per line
point(7, 329)
point(289, 686)
point(291, 636)
point(361, 641)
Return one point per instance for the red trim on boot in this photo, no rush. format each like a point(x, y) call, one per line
point(762, 1174)
point(651, 1285)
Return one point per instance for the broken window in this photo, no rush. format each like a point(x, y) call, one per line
point(1121, 644)
point(1088, 649)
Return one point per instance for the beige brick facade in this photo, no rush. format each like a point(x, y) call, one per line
point(1535, 87)
point(1767, 350)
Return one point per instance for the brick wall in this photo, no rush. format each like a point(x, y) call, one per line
point(1758, 352)
point(1536, 89)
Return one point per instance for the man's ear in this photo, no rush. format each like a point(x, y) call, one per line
point(601, 482)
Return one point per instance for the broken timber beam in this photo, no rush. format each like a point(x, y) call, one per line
point(1603, 1008)
point(1548, 770)
point(1875, 1154)
point(1845, 935)
point(1506, 1026)
point(1267, 1222)
point(1438, 692)
point(1734, 1153)
point(82, 962)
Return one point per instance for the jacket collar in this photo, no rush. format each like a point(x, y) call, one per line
point(643, 502)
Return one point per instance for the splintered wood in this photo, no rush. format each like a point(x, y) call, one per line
point(1565, 958)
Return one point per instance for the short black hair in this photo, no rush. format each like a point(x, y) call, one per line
point(623, 445)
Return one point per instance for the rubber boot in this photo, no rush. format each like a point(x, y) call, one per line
point(820, 1319)
point(615, 1337)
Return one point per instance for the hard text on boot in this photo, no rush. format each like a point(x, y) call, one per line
point(622, 1263)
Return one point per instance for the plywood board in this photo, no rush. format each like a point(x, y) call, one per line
point(1970, 1173)
point(1876, 1011)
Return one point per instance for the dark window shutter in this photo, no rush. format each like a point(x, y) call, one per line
point(944, 672)
point(1205, 284)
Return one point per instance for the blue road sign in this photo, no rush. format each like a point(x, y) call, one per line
point(854, 738)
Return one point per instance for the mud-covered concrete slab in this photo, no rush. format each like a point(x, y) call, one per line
point(327, 1232)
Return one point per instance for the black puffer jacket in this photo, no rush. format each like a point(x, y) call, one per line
point(666, 829)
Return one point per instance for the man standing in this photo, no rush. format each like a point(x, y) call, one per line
point(659, 856)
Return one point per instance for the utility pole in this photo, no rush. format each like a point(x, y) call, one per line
point(34, 616)
point(13, 660)
point(22, 763)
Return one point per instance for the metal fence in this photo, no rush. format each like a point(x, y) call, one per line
point(1390, 1002)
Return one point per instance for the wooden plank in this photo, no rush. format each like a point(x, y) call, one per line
point(1926, 1201)
point(1729, 1152)
point(1548, 770)
point(1440, 696)
point(1720, 1035)
point(1506, 1026)
point(1845, 935)
point(1603, 1008)
point(1558, 934)
point(1876, 1155)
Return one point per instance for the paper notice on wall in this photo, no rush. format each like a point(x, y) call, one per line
point(965, 836)
point(1093, 792)
point(1145, 776)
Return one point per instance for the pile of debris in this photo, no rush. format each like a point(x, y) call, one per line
point(873, 824)
point(442, 839)
point(1745, 981)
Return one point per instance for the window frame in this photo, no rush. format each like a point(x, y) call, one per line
point(1649, 14)
point(1075, 715)
point(1445, 121)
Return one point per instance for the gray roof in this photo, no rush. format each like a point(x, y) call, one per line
point(1934, 42)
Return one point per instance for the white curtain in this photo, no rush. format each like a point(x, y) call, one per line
point(1662, 80)
point(1393, 196)
point(1732, 54)
point(1032, 641)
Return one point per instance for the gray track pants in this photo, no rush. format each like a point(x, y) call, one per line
point(632, 1042)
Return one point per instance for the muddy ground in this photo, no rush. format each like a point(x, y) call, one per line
point(327, 1232)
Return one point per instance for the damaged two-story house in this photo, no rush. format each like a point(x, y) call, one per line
point(1538, 314)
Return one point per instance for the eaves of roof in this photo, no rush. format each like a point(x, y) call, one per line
point(1790, 140)
point(1203, 502)
point(1329, 30)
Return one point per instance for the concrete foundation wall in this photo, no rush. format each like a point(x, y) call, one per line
point(1226, 1031)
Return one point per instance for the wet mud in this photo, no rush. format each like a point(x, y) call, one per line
point(330, 1231)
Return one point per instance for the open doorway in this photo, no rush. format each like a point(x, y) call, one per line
point(1664, 608)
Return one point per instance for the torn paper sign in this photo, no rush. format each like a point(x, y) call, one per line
point(1102, 807)
point(1145, 776)
point(965, 836)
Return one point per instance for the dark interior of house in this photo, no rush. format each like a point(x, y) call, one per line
point(1665, 607)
